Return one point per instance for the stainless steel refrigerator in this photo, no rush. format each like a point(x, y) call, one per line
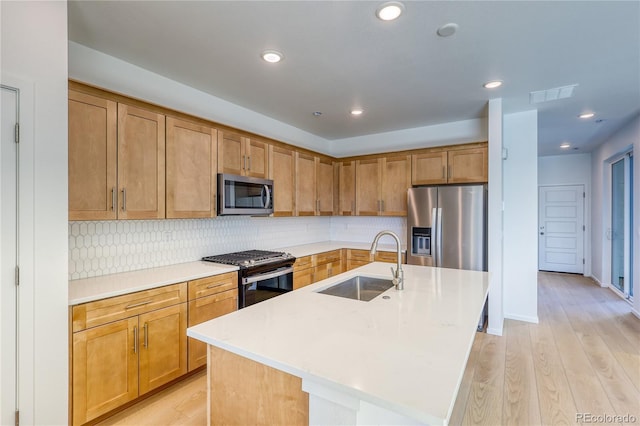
point(447, 226)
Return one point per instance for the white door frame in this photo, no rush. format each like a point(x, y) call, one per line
point(585, 265)
point(26, 298)
point(607, 216)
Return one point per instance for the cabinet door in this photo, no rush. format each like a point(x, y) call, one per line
point(163, 346)
point(92, 157)
point(105, 368)
point(282, 172)
point(468, 165)
point(396, 180)
point(325, 187)
point(302, 277)
point(141, 163)
point(429, 168)
point(204, 309)
point(257, 157)
point(305, 185)
point(231, 156)
point(191, 170)
point(347, 188)
point(368, 187)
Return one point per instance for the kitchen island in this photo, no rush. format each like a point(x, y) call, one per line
point(323, 359)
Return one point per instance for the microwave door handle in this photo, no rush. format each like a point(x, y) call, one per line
point(267, 196)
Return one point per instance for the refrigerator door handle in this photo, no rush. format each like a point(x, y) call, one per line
point(439, 238)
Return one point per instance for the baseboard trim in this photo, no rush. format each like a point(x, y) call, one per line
point(525, 318)
point(593, 277)
point(495, 331)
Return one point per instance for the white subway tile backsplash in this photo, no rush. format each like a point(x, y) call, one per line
point(107, 247)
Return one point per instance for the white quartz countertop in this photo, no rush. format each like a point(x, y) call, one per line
point(406, 353)
point(90, 289)
point(313, 248)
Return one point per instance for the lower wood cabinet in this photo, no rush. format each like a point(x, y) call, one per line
point(114, 362)
point(209, 298)
point(126, 346)
point(310, 269)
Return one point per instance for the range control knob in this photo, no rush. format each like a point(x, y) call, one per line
point(252, 262)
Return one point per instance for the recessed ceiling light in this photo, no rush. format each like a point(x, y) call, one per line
point(390, 10)
point(586, 115)
point(272, 56)
point(447, 30)
point(492, 84)
point(565, 145)
point(356, 111)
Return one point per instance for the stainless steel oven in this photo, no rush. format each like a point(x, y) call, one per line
point(255, 288)
point(262, 274)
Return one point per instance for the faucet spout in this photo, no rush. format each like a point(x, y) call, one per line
point(398, 274)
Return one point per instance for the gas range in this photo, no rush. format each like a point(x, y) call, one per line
point(263, 274)
point(251, 258)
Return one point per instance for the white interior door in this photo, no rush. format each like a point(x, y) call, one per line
point(8, 256)
point(561, 228)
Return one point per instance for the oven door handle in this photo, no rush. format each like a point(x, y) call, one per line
point(261, 277)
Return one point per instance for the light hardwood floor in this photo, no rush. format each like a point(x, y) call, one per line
point(583, 357)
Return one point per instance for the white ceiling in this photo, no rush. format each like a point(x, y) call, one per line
point(338, 55)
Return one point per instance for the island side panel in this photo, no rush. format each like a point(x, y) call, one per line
point(245, 392)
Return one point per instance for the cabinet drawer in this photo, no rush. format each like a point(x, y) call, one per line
point(212, 285)
point(389, 256)
point(302, 278)
point(303, 263)
point(112, 309)
point(360, 255)
point(327, 257)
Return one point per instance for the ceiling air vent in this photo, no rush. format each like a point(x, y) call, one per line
point(551, 94)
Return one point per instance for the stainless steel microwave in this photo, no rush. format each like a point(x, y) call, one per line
point(242, 195)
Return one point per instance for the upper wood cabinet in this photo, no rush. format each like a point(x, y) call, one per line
point(93, 140)
point(324, 187)
point(141, 163)
point(240, 155)
point(314, 185)
point(116, 160)
point(457, 165)
point(346, 188)
point(468, 165)
point(381, 186)
point(282, 172)
point(305, 185)
point(191, 169)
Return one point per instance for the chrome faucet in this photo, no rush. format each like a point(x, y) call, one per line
point(398, 274)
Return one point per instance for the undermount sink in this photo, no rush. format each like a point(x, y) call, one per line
point(359, 288)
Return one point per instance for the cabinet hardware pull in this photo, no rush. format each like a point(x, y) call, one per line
point(244, 162)
point(443, 172)
point(135, 339)
point(146, 335)
point(449, 169)
point(113, 199)
point(135, 305)
point(249, 158)
point(318, 206)
point(124, 199)
point(381, 205)
point(212, 286)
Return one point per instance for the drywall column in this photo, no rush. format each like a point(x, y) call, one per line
point(496, 312)
point(520, 226)
point(34, 59)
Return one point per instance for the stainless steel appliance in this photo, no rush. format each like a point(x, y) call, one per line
point(447, 226)
point(262, 275)
point(242, 195)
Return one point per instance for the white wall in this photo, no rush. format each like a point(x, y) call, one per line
point(520, 228)
point(495, 219)
point(571, 169)
point(34, 57)
point(625, 138)
point(96, 68)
